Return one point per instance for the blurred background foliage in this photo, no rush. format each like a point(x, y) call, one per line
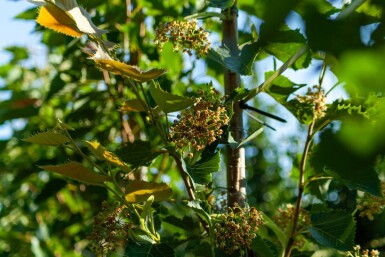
point(43, 215)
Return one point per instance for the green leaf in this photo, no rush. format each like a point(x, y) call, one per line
point(140, 237)
point(139, 191)
point(251, 137)
point(167, 101)
point(223, 4)
point(48, 138)
point(201, 170)
point(285, 44)
point(197, 208)
point(149, 250)
point(334, 229)
point(281, 88)
point(263, 247)
point(241, 63)
point(137, 154)
point(187, 223)
point(102, 154)
point(78, 172)
point(338, 160)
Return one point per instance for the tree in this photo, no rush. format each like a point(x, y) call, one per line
point(120, 114)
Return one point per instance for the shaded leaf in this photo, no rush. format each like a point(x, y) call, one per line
point(201, 170)
point(263, 247)
point(139, 153)
point(130, 71)
point(187, 223)
point(149, 250)
point(139, 191)
point(78, 172)
point(340, 161)
point(48, 138)
point(134, 105)
point(333, 229)
point(167, 101)
point(223, 4)
point(102, 154)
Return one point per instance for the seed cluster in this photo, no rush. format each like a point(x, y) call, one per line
point(369, 205)
point(236, 229)
point(110, 229)
point(363, 253)
point(185, 35)
point(316, 98)
point(284, 219)
point(200, 125)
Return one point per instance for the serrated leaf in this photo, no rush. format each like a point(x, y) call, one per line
point(78, 172)
point(342, 163)
point(137, 154)
point(102, 154)
point(149, 250)
point(139, 191)
point(134, 105)
point(168, 102)
point(263, 247)
point(201, 170)
point(126, 70)
point(195, 205)
point(333, 229)
point(53, 17)
point(48, 138)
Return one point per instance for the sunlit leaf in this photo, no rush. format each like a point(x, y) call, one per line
point(48, 138)
point(102, 154)
point(130, 71)
point(53, 17)
point(78, 172)
point(333, 229)
point(139, 191)
point(167, 101)
point(251, 137)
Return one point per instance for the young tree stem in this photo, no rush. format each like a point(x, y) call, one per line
point(301, 186)
point(236, 173)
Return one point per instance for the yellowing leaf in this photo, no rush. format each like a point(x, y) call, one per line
point(123, 69)
point(134, 105)
point(78, 172)
point(139, 191)
point(53, 17)
point(48, 138)
point(102, 154)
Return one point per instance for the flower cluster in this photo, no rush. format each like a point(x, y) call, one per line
point(235, 230)
point(110, 229)
point(184, 35)
point(316, 98)
point(363, 253)
point(284, 219)
point(200, 125)
point(369, 205)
